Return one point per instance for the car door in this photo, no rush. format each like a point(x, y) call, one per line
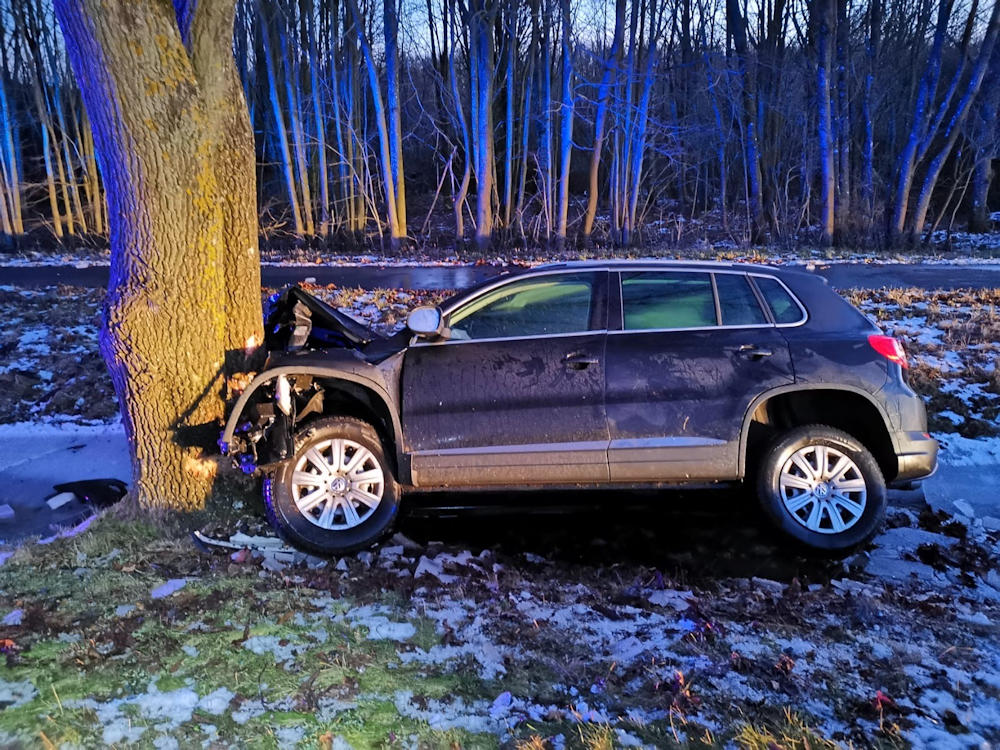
point(516, 393)
point(691, 351)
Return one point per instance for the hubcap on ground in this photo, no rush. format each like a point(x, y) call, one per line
point(823, 489)
point(337, 484)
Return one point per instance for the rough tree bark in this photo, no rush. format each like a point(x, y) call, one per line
point(169, 133)
point(235, 169)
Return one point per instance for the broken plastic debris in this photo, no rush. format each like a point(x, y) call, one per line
point(168, 588)
point(98, 492)
point(66, 533)
point(57, 501)
point(13, 617)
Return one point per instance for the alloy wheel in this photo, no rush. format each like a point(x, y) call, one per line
point(823, 489)
point(337, 484)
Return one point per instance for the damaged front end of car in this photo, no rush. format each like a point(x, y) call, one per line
point(310, 346)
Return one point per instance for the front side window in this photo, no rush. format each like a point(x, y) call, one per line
point(667, 299)
point(737, 302)
point(542, 306)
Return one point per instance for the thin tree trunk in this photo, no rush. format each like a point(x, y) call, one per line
point(611, 63)
point(284, 151)
point(565, 125)
point(823, 29)
point(925, 93)
point(396, 233)
point(957, 121)
point(394, 117)
point(737, 28)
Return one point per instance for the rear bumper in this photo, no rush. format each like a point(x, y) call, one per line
point(917, 456)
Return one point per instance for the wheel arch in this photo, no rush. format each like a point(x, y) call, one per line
point(356, 389)
point(791, 406)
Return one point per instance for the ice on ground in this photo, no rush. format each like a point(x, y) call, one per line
point(217, 701)
point(962, 451)
point(14, 694)
point(282, 649)
point(443, 715)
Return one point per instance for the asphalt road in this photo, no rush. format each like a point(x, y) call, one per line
point(840, 275)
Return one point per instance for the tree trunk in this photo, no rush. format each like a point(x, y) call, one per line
point(982, 176)
point(737, 27)
point(957, 122)
point(395, 121)
point(925, 95)
point(235, 169)
point(611, 64)
point(158, 143)
point(565, 125)
point(823, 21)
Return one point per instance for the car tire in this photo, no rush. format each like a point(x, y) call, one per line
point(322, 523)
point(846, 505)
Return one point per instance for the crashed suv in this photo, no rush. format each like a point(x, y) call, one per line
point(586, 375)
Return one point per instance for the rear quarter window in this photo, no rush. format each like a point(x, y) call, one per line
point(783, 306)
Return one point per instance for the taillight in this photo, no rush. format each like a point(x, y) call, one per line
point(889, 348)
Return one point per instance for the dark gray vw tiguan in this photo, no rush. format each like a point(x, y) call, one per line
point(586, 375)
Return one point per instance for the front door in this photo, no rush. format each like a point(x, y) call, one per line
point(694, 349)
point(516, 393)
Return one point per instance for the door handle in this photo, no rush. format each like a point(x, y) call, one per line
point(751, 351)
point(579, 361)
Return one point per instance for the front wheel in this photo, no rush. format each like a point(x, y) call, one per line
point(822, 488)
point(337, 493)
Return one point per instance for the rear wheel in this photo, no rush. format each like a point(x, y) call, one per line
point(822, 488)
point(337, 493)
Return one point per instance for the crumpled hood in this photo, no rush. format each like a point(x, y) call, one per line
point(295, 319)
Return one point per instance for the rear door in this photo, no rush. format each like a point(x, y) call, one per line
point(516, 394)
point(689, 352)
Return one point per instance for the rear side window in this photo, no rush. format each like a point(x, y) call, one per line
point(652, 300)
point(783, 306)
point(737, 302)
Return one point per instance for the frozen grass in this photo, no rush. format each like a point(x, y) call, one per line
point(578, 647)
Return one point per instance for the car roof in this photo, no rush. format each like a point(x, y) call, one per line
point(694, 265)
point(636, 265)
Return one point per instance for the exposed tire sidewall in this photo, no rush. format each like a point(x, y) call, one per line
point(770, 498)
point(302, 532)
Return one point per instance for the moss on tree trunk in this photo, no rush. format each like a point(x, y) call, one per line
point(174, 146)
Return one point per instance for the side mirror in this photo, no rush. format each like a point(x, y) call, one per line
point(426, 322)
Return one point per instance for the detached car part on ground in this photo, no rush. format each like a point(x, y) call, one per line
point(586, 375)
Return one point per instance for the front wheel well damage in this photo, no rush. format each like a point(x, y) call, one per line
point(268, 432)
point(843, 410)
point(345, 399)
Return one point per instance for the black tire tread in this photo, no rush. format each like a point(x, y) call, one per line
point(778, 518)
